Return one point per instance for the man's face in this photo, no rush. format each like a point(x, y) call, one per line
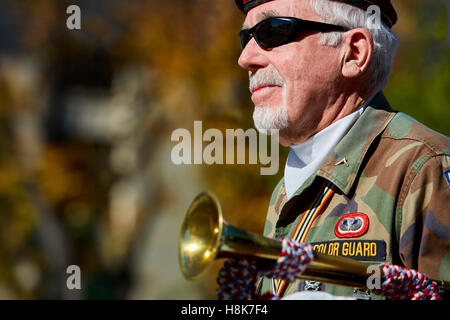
point(299, 76)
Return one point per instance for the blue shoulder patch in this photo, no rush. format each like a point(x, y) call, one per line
point(447, 177)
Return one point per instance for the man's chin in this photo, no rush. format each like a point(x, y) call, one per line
point(267, 120)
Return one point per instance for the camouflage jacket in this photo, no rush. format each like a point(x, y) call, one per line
point(396, 175)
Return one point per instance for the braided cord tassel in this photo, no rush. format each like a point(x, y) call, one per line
point(237, 278)
point(295, 259)
point(406, 284)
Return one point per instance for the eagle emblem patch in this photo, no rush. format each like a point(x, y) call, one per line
point(352, 225)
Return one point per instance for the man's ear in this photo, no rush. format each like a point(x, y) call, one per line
point(357, 52)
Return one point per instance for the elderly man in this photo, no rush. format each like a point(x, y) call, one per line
point(361, 180)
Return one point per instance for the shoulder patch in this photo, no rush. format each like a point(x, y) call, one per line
point(351, 225)
point(447, 177)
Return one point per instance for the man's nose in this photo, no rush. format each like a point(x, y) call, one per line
point(252, 57)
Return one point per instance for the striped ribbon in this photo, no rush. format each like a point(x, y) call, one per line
point(302, 230)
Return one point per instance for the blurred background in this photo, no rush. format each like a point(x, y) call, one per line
point(86, 118)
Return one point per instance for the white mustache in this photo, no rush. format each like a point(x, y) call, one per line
point(268, 77)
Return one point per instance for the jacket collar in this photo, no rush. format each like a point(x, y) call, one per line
point(344, 162)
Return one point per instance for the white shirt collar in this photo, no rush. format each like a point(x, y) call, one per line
point(307, 157)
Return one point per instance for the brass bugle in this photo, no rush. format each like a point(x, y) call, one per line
point(205, 236)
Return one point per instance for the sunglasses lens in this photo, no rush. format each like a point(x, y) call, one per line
point(244, 36)
point(273, 32)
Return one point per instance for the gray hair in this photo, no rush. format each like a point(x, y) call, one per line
point(385, 41)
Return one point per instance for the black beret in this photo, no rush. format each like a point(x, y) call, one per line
point(388, 13)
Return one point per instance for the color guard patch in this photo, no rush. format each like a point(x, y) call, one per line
point(363, 250)
point(447, 177)
point(351, 225)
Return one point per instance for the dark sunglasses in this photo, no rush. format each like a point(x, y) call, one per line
point(274, 32)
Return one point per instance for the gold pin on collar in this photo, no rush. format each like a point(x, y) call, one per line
point(342, 161)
